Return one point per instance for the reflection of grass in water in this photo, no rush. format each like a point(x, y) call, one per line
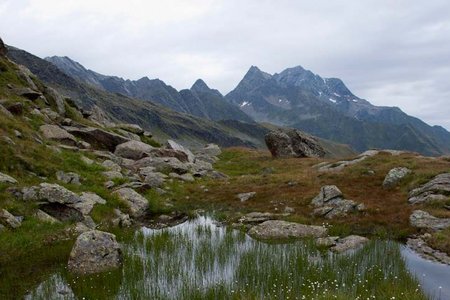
point(206, 262)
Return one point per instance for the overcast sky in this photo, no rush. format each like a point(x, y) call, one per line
point(390, 52)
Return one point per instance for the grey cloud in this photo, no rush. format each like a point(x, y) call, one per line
point(392, 53)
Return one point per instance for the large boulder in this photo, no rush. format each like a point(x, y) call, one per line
point(276, 229)
point(94, 252)
point(54, 193)
point(56, 133)
point(423, 220)
point(88, 200)
point(177, 147)
point(98, 138)
point(292, 143)
point(395, 176)
point(133, 150)
point(436, 189)
point(137, 203)
point(7, 179)
point(210, 150)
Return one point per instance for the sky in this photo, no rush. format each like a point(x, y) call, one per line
point(390, 52)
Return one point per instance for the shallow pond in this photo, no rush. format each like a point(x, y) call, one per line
point(200, 260)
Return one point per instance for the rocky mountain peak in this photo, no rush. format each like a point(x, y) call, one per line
point(200, 86)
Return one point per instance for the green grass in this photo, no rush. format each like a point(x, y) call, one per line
point(201, 261)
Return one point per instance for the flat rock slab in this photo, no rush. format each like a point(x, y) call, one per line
point(7, 179)
point(436, 189)
point(94, 252)
point(98, 138)
point(279, 230)
point(56, 133)
point(422, 219)
point(350, 242)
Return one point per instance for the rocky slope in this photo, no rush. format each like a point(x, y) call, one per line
point(199, 100)
point(325, 107)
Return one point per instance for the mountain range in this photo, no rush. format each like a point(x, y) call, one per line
point(298, 98)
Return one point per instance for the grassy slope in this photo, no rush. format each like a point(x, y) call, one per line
point(387, 212)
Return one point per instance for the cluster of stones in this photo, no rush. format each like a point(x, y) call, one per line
point(330, 203)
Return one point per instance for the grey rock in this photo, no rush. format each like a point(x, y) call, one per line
point(133, 150)
point(50, 114)
point(422, 219)
point(129, 135)
point(424, 250)
point(69, 177)
point(88, 200)
point(164, 164)
point(111, 166)
point(436, 189)
point(109, 184)
point(54, 193)
point(328, 241)
point(327, 193)
point(87, 160)
point(177, 147)
point(276, 229)
point(94, 252)
point(211, 150)
point(7, 179)
point(28, 93)
point(53, 132)
point(112, 175)
point(98, 138)
point(99, 116)
point(122, 219)
point(245, 196)
point(395, 176)
point(18, 134)
point(6, 112)
point(30, 193)
point(137, 203)
point(292, 143)
point(44, 217)
point(7, 219)
point(57, 99)
point(351, 242)
point(259, 217)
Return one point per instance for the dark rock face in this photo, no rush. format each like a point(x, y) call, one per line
point(292, 143)
point(3, 50)
point(95, 251)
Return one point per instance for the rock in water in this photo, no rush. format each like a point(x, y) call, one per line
point(292, 143)
point(275, 229)
point(350, 242)
point(94, 252)
point(394, 176)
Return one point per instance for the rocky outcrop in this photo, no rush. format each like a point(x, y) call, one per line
point(423, 220)
point(420, 246)
point(7, 179)
point(56, 133)
point(351, 242)
point(3, 49)
point(54, 193)
point(330, 203)
point(437, 189)
point(133, 150)
point(138, 204)
point(177, 147)
point(7, 219)
point(276, 229)
point(395, 176)
point(98, 138)
point(94, 252)
point(88, 200)
point(292, 143)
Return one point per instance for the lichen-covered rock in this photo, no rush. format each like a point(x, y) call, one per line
point(292, 143)
point(137, 203)
point(436, 189)
point(245, 196)
point(276, 229)
point(7, 179)
point(133, 150)
point(69, 177)
point(7, 219)
point(351, 242)
point(112, 175)
point(394, 176)
point(94, 252)
point(54, 193)
point(44, 217)
point(327, 193)
point(422, 219)
point(56, 133)
point(331, 204)
point(88, 200)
